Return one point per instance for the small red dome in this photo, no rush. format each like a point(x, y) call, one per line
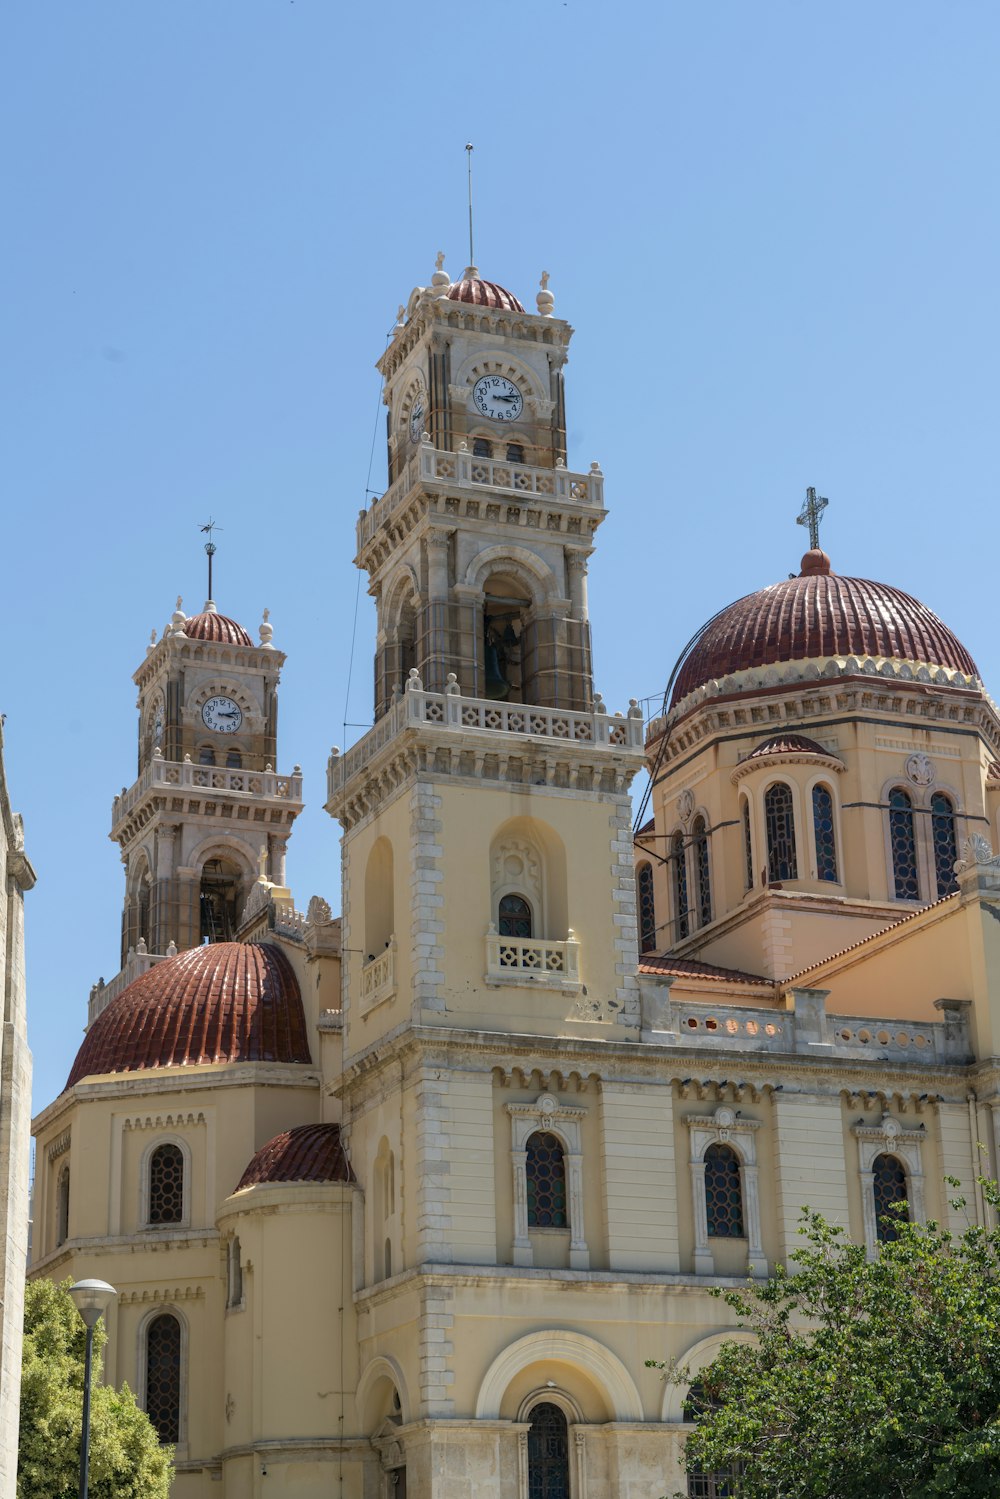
point(225, 1002)
point(211, 625)
point(789, 744)
point(310, 1153)
point(820, 614)
point(472, 288)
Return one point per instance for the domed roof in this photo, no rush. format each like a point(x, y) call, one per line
point(819, 614)
point(788, 744)
point(225, 1002)
point(310, 1153)
point(211, 625)
point(472, 288)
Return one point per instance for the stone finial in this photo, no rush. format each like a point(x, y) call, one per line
point(440, 279)
point(413, 682)
point(266, 631)
point(178, 619)
point(400, 315)
point(545, 301)
point(262, 866)
point(171, 948)
point(152, 642)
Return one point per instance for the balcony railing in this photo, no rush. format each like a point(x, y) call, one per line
point(521, 960)
point(462, 470)
point(186, 775)
point(378, 978)
point(137, 962)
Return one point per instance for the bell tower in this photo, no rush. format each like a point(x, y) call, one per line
point(477, 552)
point(208, 812)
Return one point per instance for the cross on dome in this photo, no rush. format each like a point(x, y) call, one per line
point(812, 508)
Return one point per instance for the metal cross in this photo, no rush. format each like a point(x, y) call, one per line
point(809, 515)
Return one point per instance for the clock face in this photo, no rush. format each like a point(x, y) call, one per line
point(417, 413)
point(221, 715)
point(497, 398)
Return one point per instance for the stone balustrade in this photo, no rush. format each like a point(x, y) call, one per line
point(137, 962)
point(186, 775)
point(378, 978)
point(532, 960)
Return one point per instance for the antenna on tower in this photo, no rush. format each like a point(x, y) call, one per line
point(469, 148)
point(210, 549)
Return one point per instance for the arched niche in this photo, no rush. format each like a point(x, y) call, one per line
point(528, 858)
point(590, 1374)
point(379, 899)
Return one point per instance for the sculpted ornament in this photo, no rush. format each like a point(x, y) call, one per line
point(977, 851)
point(685, 806)
point(318, 912)
point(920, 769)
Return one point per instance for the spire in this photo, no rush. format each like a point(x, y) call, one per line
point(210, 549)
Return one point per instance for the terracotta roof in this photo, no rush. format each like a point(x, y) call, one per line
point(789, 744)
point(225, 1002)
point(310, 1153)
point(211, 625)
point(647, 827)
point(819, 614)
point(693, 969)
point(472, 288)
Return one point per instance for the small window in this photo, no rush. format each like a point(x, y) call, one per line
point(163, 1376)
point(234, 1290)
point(482, 447)
point(62, 1207)
point(945, 843)
point(548, 1453)
point(545, 1173)
point(514, 917)
point(166, 1185)
point(747, 847)
point(678, 858)
point(903, 843)
point(699, 834)
point(722, 1484)
point(206, 755)
point(826, 848)
point(779, 821)
point(234, 760)
point(889, 1185)
point(723, 1193)
point(515, 452)
point(647, 909)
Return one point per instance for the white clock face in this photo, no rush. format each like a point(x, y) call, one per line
point(221, 715)
point(417, 413)
point(497, 398)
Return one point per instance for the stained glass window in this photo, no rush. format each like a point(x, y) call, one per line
point(548, 1453)
point(678, 858)
point(945, 844)
point(163, 1376)
point(722, 1484)
point(747, 845)
point(166, 1184)
point(826, 845)
point(515, 917)
point(545, 1171)
point(904, 846)
point(889, 1184)
point(779, 820)
point(702, 873)
point(723, 1193)
point(647, 910)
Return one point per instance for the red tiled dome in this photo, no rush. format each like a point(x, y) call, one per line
point(226, 1002)
point(310, 1153)
point(472, 288)
point(820, 614)
point(789, 744)
point(211, 625)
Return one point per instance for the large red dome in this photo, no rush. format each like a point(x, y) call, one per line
point(472, 288)
point(211, 625)
point(225, 1002)
point(820, 614)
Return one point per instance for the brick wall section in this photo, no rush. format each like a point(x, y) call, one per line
point(640, 1177)
point(809, 1166)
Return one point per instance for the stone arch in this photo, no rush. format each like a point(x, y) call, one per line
point(372, 1392)
point(531, 571)
point(478, 364)
point(379, 899)
point(697, 1357)
point(540, 853)
point(604, 1369)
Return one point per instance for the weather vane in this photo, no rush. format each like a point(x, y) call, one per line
point(809, 515)
point(210, 548)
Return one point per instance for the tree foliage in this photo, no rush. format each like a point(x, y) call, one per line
point(126, 1459)
point(864, 1378)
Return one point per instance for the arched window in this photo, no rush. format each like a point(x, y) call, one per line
point(889, 1186)
point(826, 846)
point(747, 846)
point(779, 822)
point(723, 1193)
point(219, 900)
point(234, 1289)
point(678, 857)
point(206, 755)
point(514, 917)
point(234, 760)
point(166, 1185)
point(548, 1453)
point(945, 843)
point(723, 1484)
point(163, 1376)
point(482, 447)
point(545, 1174)
point(62, 1207)
point(515, 452)
point(647, 909)
point(903, 843)
point(703, 878)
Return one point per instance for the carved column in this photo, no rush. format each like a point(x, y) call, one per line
point(433, 654)
point(756, 1262)
point(522, 1243)
point(579, 1255)
point(704, 1261)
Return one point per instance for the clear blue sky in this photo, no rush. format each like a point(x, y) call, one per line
point(773, 225)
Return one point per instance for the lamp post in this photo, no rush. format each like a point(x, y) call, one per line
point(91, 1298)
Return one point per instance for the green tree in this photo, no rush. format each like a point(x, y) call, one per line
point(865, 1377)
point(126, 1459)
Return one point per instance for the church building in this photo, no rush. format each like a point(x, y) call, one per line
point(400, 1202)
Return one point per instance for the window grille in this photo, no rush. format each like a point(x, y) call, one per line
point(515, 452)
point(724, 1483)
point(826, 846)
point(647, 909)
point(904, 846)
point(702, 872)
point(548, 1453)
point(482, 447)
point(779, 821)
point(682, 918)
point(747, 846)
point(166, 1185)
point(515, 917)
point(545, 1175)
point(723, 1193)
point(945, 843)
point(163, 1376)
point(889, 1186)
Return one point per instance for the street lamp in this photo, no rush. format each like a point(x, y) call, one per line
point(91, 1298)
